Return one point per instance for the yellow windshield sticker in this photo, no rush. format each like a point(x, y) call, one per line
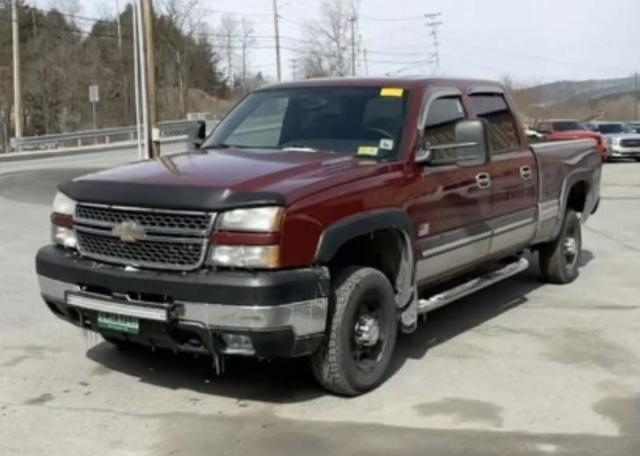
point(391, 92)
point(368, 151)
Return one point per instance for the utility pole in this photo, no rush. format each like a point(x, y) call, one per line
point(153, 131)
point(433, 23)
point(244, 64)
point(276, 24)
point(118, 25)
point(636, 90)
point(353, 19)
point(17, 83)
point(229, 52)
point(138, 76)
point(366, 62)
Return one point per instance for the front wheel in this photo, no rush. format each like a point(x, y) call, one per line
point(362, 333)
point(559, 259)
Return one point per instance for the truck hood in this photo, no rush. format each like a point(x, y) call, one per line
point(219, 179)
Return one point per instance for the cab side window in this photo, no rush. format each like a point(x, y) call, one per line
point(442, 117)
point(493, 108)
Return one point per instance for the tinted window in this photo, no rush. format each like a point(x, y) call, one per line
point(443, 115)
point(568, 126)
point(493, 108)
point(611, 128)
point(367, 121)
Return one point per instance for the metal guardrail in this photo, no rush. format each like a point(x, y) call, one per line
point(186, 130)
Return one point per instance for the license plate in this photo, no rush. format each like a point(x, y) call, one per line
point(119, 323)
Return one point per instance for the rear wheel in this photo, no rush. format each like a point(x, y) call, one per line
point(362, 333)
point(559, 259)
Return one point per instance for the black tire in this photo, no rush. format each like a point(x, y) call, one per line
point(345, 364)
point(560, 259)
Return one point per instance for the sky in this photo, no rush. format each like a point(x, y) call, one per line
point(531, 41)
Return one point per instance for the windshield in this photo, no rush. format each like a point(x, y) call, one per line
point(366, 121)
point(568, 126)
point(612, 128)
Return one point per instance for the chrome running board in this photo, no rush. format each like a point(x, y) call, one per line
point(484, 281)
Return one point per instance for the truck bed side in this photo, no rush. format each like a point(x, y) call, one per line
point(569, 175)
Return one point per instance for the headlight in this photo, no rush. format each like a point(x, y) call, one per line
point(246, 256)
point(615, 141)
point(62, 232)
point(64, 205)
point(258, 220)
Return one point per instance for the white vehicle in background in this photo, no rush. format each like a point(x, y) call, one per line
point(623, 141)
point(634, 126)
point(533, 135)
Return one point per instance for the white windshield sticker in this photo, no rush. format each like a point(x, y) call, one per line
point(386, 144)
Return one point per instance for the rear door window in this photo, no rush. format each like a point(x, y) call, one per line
point(503, 135)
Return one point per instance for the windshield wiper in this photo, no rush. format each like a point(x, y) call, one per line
point(216, 146)
point(231, 146)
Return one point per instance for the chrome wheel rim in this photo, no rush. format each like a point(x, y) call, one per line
point(368, 337)
point(571, 248)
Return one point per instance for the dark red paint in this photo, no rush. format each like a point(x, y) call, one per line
point(323, 188)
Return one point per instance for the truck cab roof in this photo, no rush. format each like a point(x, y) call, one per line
point(407, 82)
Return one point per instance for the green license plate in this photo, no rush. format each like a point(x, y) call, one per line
point(118, 323)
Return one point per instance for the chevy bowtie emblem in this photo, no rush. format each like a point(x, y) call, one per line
point(128, 231)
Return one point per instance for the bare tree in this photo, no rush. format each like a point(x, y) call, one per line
point(228, 32)
point(328, 42)
point(183, 22)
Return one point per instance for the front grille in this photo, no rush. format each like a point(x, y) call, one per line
point(186, 222)
point(168, 240)
point(630, 143)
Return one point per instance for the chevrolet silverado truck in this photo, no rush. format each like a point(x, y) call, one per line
point(559, 130)
point(623, 141)
point(319, 220)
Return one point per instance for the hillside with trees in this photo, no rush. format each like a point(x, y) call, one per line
point(63, 53)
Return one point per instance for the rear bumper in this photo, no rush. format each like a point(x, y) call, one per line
point(284, 313)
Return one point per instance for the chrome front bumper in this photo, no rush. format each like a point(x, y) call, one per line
point(304, 318)
point(623, 152)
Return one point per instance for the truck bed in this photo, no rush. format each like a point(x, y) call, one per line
point(563, 166)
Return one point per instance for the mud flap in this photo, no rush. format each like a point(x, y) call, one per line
point(409, 315)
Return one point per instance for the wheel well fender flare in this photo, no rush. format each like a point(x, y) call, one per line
point(340, 233)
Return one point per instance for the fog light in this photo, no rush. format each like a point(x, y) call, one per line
point(64, 236)
point(238, 344)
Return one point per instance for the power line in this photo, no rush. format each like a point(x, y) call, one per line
point(433, 23)
point(392, 19)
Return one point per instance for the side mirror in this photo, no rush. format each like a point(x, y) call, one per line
point(473, 142)
point(471, 147)
point(198, 134)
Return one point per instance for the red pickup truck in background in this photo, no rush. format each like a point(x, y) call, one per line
point(317, 220)
point(562, 130)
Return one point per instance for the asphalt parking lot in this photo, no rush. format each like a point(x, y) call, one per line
point(522, 368)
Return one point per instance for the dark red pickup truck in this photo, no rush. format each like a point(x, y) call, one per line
point(319, 219)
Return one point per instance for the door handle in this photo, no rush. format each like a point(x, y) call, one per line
point(483, 180)
point(526, 173)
